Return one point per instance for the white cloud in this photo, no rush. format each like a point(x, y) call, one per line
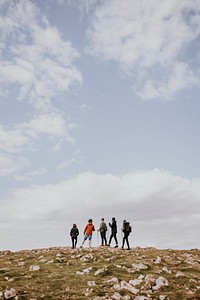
point(12, 140)
point(20, 140)
point(66, 164)
point(20, 137)
point(30, 175)
point(34, 55)
point(161, 207)
point(10, 165)
point(85, 6)
point(52, 124)
point(180, 78)
point(147, 39)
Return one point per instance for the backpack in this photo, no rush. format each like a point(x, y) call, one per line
point(128, 228)
point(103, 227)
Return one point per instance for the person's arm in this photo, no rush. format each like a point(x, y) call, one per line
point(85, 229)
point(100, 227)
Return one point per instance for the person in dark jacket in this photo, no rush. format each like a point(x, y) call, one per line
point(126, 229)
point(113, 227)
point(103, 229)
point(74, 232)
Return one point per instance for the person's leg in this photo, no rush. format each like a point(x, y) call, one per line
point(115, 237)
point(105, 240)
point(85, 238)
point(90, 241)
point(110, 238)
point(123, 241)
point(127, 242)
point(75, 240)
point(102, 238)
point(72, 242)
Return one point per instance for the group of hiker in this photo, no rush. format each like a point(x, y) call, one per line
point(89, 229)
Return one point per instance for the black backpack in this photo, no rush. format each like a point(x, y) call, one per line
point(128, 228)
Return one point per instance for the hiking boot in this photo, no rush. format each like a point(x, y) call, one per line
point(116, 246)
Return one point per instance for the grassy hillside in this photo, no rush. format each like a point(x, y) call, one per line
point(100, 273)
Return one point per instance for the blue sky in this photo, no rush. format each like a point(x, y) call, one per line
point(99, 116)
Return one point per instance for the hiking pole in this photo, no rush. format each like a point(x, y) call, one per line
point(122, 236)
point(108, 236)
point(97, 238)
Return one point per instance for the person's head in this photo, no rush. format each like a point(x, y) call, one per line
point(74, 225)
point(124, 221)
point(113, 218)
point(90, 221)
point(102, 219)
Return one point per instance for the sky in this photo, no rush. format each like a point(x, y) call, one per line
point(99, 117)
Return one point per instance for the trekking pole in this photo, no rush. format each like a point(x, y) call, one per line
point(108, 235)
point(97, 238)
point(121, 235)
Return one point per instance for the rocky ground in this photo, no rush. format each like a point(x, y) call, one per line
point(100, 273)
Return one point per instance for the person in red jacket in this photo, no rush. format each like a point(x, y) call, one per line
point(89, 228)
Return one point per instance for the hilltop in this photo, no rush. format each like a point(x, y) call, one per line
point(100, 273)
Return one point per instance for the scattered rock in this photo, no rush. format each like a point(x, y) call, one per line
point(10, 294)
point(158, 260)
point(179, 274)
point(87, 257)
point(34, 268)
point(116, 296)
point(102, 270)
point(139, 266)
point(85, 271)
point(127, 286)
point(91, 283)
point(135, 281)
point(161, 281)
point(21, 263)
point(165, 269)
point(114, 280)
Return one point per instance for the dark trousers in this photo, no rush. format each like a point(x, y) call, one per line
point(74, 241)
point(103, 237)
point(113, 235)
point(125, 239)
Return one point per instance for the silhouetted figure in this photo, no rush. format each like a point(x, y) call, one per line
point(113, 227)
point(126, 228)
point(103, 229)
point(74, 232)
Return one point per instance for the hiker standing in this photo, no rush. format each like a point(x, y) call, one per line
point(103, 229)
point(89, 228)
point(126, 229)
point(113, 227)
point(74, 232)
